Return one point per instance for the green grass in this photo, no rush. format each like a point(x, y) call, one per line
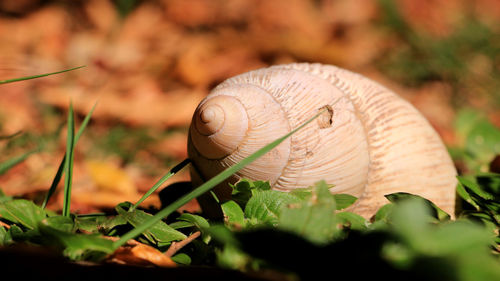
point(264, 229)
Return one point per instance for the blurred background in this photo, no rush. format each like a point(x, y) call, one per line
point(149, 63)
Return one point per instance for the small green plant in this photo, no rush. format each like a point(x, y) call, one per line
point(264, 229)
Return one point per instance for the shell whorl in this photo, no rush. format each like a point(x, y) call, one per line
point(219, 126)
point(376, 144)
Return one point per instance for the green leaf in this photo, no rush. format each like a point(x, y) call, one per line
point(224, 235)
point(160, 234)
point(60, 223)
point(4, 197)
point(383, 214)
point(68, 165)
point(94, 223)
point(483, 141)
point(78, 246)
point(244, 189)
point(265, 206)
point(5, 238)
point(37, 76)
point(22, 212)
point(344, 200)
point(315, 219)
point(437, 212)
point(480, 138)
point(7, 165)
point(182, 258)
point(483, 200)
point(17, 234)
point(233, 213)
point(302, 193)
point(352, 221)
point(181, 224)
point(464, 194)
point(473, 188)
point(60, 170)
point(199, 221)
point(109, 225)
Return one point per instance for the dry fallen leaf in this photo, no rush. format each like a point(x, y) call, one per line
point(108, 176)
point(142, 255)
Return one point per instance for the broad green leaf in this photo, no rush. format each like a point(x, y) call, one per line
point(352, 220)
point(108, 225)
point(384, 212)
point(232, 257)
point(437, 212)
point(181, 224)
point(483, 141)
point(322, 193)
point(200, 222)
point(60, 223)
point(78, 246)
point(244, 189)
point(22, 212)
point(302, 193)
point(265, 206)
point(5, 238)
point(3, 197)
point(315, 222)
point(412, 219)
point(314, 219)
point(91, 223)
point(479, 137)
point(159, 234)
point(182, 258)
point(458, 237)
point(233, 213)
point(17, 234)
point(344, 200)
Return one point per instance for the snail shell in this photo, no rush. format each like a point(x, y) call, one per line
point(370, 142)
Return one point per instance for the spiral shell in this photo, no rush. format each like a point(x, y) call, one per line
point(369, 143)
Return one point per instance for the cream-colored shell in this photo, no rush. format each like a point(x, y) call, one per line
point(376, 144)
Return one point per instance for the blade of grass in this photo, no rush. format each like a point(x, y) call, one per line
point(208, 185)
point(7, 165)
point(60, 170)
point(11, 135)
point(68, 166)
point(172, 172)
point(38, 76)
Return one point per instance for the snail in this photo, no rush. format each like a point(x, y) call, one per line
point(369, 142)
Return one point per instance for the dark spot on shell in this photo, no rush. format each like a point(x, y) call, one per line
point(325, 120)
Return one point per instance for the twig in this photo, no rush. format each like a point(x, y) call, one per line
point(176, 246)
point(4, 224)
